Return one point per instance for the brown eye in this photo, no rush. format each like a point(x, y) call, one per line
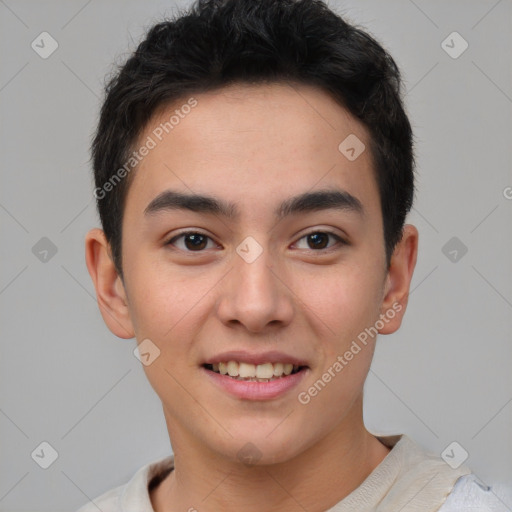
point(192, 241)
point(318, 240)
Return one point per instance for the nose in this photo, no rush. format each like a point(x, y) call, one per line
point(255, 296)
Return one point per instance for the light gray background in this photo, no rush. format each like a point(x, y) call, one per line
point(65, 379)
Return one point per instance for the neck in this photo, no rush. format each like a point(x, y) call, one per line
point(315, 480)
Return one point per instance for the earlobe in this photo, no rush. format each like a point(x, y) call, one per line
point(110, 291)
point(398, 280)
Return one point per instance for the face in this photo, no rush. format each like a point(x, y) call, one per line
point(279, 267)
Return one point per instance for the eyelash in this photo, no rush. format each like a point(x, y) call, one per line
point(340, 240)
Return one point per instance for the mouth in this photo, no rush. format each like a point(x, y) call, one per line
point(245, 375)
point(248, 372)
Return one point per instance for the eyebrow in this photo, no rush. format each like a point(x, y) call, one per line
point(336, 199)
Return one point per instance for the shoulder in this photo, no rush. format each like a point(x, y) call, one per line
point(469, 493)
point(107, 502)
point(134, 495)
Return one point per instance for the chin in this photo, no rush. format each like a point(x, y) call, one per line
point(255, 447)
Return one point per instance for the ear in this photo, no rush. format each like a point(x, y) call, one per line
point(110, 291)
point(398, 280)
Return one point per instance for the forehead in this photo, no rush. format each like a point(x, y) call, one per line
point(251, 144)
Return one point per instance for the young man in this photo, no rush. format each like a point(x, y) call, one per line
point(254, 168)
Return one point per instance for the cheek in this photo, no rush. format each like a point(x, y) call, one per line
point(160, 300)
point(346, 305)
point(345, 301)
point(169, 307)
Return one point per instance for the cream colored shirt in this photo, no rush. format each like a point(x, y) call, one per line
point(409, 479)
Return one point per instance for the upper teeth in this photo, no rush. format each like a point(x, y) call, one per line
point(260, 371)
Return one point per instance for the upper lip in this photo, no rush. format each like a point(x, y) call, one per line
point(243, 356)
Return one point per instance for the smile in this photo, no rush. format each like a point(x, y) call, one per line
point(248, 372)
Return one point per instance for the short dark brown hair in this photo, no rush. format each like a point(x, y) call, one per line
point(220, 42)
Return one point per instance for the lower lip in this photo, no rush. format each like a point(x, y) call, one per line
point(248, 390)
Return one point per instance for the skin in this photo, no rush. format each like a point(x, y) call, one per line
point(256, 145)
